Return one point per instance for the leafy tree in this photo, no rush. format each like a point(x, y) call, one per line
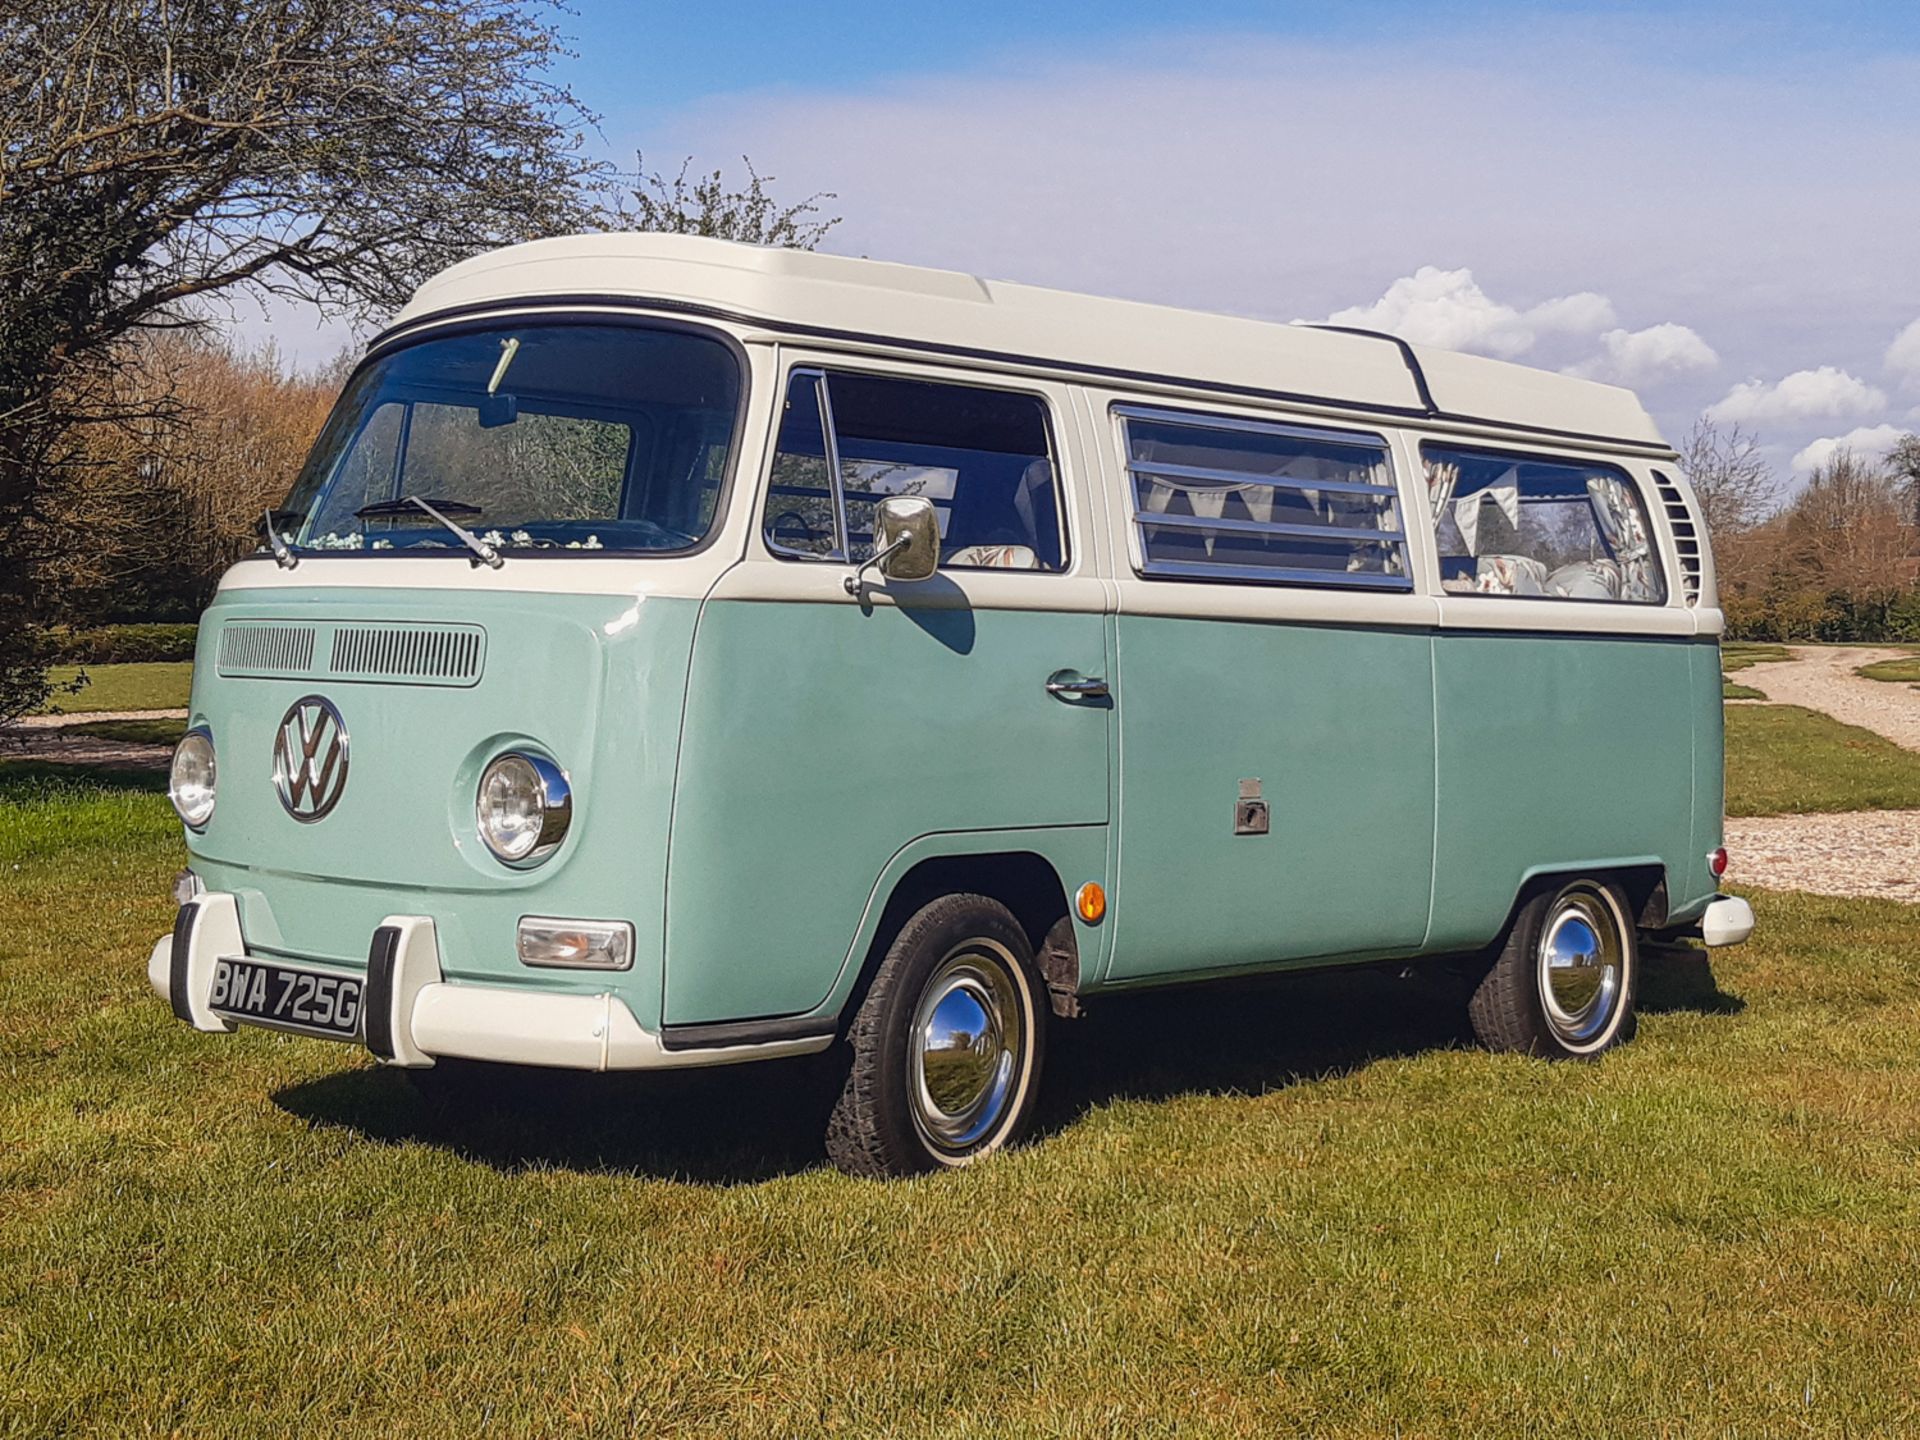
point(155, 154)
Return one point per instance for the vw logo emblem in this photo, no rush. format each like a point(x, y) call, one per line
point(310, 759)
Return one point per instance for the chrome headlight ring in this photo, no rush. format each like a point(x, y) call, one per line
point(192, 778)
point(523, 808)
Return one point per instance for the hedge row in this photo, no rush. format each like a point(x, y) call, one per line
point(123, 644)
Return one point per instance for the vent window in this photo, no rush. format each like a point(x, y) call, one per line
point(1686, 536)
point(1219, 498)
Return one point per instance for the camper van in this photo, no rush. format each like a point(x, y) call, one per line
point(683, 653)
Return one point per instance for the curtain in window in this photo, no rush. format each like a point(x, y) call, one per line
point(1624, 529)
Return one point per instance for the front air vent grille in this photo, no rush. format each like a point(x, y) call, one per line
point(1686, 536)
point(266, 650)
point(409, 654)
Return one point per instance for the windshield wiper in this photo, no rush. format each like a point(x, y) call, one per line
point(409, 502)
point(282, 553)
point(484, 553)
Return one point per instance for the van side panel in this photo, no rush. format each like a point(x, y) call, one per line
point(1556, 752)
point(1336, 723)
point(823, 736)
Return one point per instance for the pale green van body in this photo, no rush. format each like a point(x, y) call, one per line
point(764, 766)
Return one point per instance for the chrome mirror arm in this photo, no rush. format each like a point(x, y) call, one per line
point(857, 581)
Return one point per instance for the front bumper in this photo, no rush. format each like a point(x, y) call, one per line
point(411, 1015)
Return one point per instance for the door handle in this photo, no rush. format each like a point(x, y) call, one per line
point(1071, 685)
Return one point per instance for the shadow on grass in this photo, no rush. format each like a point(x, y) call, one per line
point(23, 780)
point(744, 1124)
point(1680, 978)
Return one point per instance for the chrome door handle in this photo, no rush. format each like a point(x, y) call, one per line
point(1067, 685)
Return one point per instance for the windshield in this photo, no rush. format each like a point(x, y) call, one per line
point(533, 437)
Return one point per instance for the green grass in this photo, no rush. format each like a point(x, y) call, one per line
point(1784, 760)
point(122, 687)
point(1299, 1209)
point(1739, 654)
point(1907, 670)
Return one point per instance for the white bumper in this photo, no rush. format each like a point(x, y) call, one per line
point(1726, 921)
point(412, 1015)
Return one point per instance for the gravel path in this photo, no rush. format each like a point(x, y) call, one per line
point(87, 717)
point(1865, 852)
point(1823, 679)
point(43, 737)
point(1862, 852)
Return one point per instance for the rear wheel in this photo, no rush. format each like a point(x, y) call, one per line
point(1564, 982)
point(946, 1047)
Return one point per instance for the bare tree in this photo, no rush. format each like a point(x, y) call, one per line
point(156, 153)
point(1903, 463)
point(1731, 478)
point(705, 206)
point(1847, 529)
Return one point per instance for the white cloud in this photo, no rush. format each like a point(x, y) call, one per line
point(1869, 442)
point(1903, 356)
point(1803, 395)
point(1448, 308)
point(1641, 357)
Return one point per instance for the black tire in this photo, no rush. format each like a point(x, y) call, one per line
point(959, 958)
point(1576, 1000)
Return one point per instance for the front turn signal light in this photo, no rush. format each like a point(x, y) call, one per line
point(1091, 902)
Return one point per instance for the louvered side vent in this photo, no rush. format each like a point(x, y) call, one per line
point(409, 654)
point(1686, 537)
point(266, 650)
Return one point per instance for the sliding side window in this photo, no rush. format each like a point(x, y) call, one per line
point(1218, 498)
point(1535, 526)
point(983, 457)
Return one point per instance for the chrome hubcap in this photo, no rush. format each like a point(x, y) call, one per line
point(1581, 966)
point(969, 1042)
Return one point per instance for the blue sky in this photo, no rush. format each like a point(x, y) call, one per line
point(1713, 203)
point(639, 62)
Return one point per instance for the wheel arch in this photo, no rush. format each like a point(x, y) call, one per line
point(1643, 878)
point(1032, 873)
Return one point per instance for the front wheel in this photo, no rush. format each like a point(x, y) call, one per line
point(947, 1046)
point(1563, 984)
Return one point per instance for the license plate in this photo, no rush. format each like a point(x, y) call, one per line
point(305, 1000)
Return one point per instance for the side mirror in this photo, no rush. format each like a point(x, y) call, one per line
point(906, 541)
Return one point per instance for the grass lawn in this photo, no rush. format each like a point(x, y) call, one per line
point(1304, 1208)
point(1739, 654)
point(1907, 670)
point(1785, 760)
point(123, 687)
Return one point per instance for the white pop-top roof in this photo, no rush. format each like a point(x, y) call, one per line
point(946, 309)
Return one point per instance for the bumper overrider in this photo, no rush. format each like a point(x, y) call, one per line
point(1727, 920)
point(410, 1014)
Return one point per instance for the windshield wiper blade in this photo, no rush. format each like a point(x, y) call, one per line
point(484, 553)
point(410, 502)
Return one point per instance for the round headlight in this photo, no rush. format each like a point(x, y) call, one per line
point(524, 808)
point(190, 783)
